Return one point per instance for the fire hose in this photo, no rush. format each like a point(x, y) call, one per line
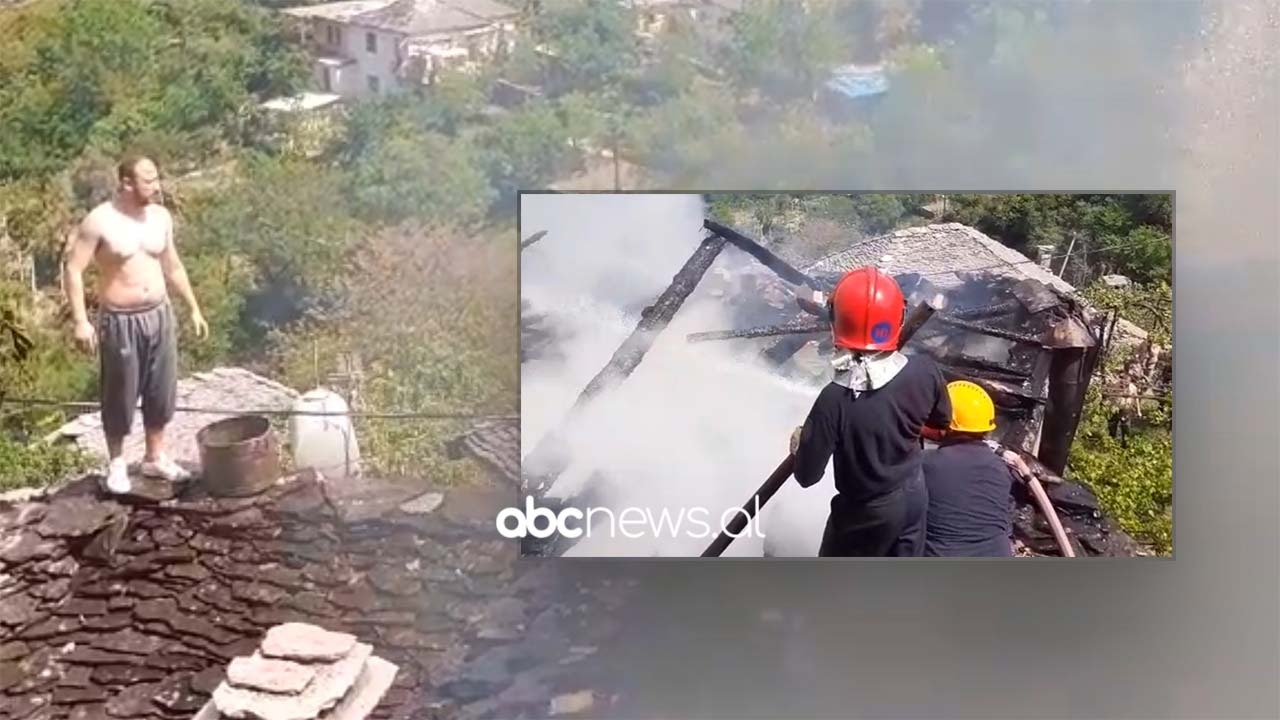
point(1046, 507)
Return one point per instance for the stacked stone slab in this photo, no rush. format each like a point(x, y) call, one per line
point(302, 672)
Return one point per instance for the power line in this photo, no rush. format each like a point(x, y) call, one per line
point(77, 405)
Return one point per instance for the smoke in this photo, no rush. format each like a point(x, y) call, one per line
point(696, 425)
point(1015, 96)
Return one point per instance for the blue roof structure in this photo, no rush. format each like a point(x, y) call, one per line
point(855, 82)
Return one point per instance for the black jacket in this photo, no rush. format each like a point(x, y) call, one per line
point(874, 437)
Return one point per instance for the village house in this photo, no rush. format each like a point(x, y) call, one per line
point(655, 16)
point(363, 48)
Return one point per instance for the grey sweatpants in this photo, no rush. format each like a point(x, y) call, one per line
point(138, 355)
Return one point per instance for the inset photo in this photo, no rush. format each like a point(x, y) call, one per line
point(845, 375)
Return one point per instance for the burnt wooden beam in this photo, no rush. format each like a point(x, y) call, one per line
point(1068, 381)
point(992, 331)
point(766, 257)
point(986, 311)
point(532, 239)
point(548, 458)
point(758, 332)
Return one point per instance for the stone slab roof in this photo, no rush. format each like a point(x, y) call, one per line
point(411, 17)
point(427, 17)
point(940, 252)
point(944, 253)
point(337, 11)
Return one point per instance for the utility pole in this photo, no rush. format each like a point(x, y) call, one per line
point(1067, 259)
point(617, 175)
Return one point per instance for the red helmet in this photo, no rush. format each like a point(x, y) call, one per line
point(866, 310)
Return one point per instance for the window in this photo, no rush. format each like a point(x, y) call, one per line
point(371, 42)
point(374, 85)
point(333, 34)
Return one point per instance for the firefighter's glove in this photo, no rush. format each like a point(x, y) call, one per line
point(795, 439)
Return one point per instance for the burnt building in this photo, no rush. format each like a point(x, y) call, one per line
point(1004, 322)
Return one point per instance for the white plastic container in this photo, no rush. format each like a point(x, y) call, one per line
point(325, 443)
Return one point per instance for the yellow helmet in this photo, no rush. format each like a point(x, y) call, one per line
point(971, 408)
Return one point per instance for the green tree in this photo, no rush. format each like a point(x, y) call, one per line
point(108, 73)
point(421, 175)
point(37, 360)
point(264, 249)
point(594, 43)
point(785, 49)
point(688, 135)
point(584, 119)
point(526, 149)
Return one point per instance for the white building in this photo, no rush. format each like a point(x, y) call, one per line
point(371, 47)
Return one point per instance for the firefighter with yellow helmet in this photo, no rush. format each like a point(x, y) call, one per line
point(970, 486)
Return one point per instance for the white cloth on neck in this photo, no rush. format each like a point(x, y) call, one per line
point(866, 371)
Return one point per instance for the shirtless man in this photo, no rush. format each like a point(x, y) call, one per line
point(131, 239)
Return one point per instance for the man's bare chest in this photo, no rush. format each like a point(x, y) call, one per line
point(122, 237)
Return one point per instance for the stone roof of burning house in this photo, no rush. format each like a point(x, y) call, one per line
point(942, 253)
point(226, 389)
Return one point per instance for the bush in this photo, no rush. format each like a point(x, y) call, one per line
point(39, 464)
point(1134, 482)
point(424, 176)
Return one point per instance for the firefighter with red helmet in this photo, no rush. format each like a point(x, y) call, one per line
point(868, 421)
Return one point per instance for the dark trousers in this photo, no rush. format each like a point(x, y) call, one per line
point(891, 525)
point(911, 542)
point(138, 357)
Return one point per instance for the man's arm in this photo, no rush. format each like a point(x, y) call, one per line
point(80, 248)
point(176, 275)
point(816, 443)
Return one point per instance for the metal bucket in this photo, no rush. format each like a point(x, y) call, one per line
point(240, 456)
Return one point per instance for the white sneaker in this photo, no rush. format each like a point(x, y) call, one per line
point(166, 469)
point(117, 481)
